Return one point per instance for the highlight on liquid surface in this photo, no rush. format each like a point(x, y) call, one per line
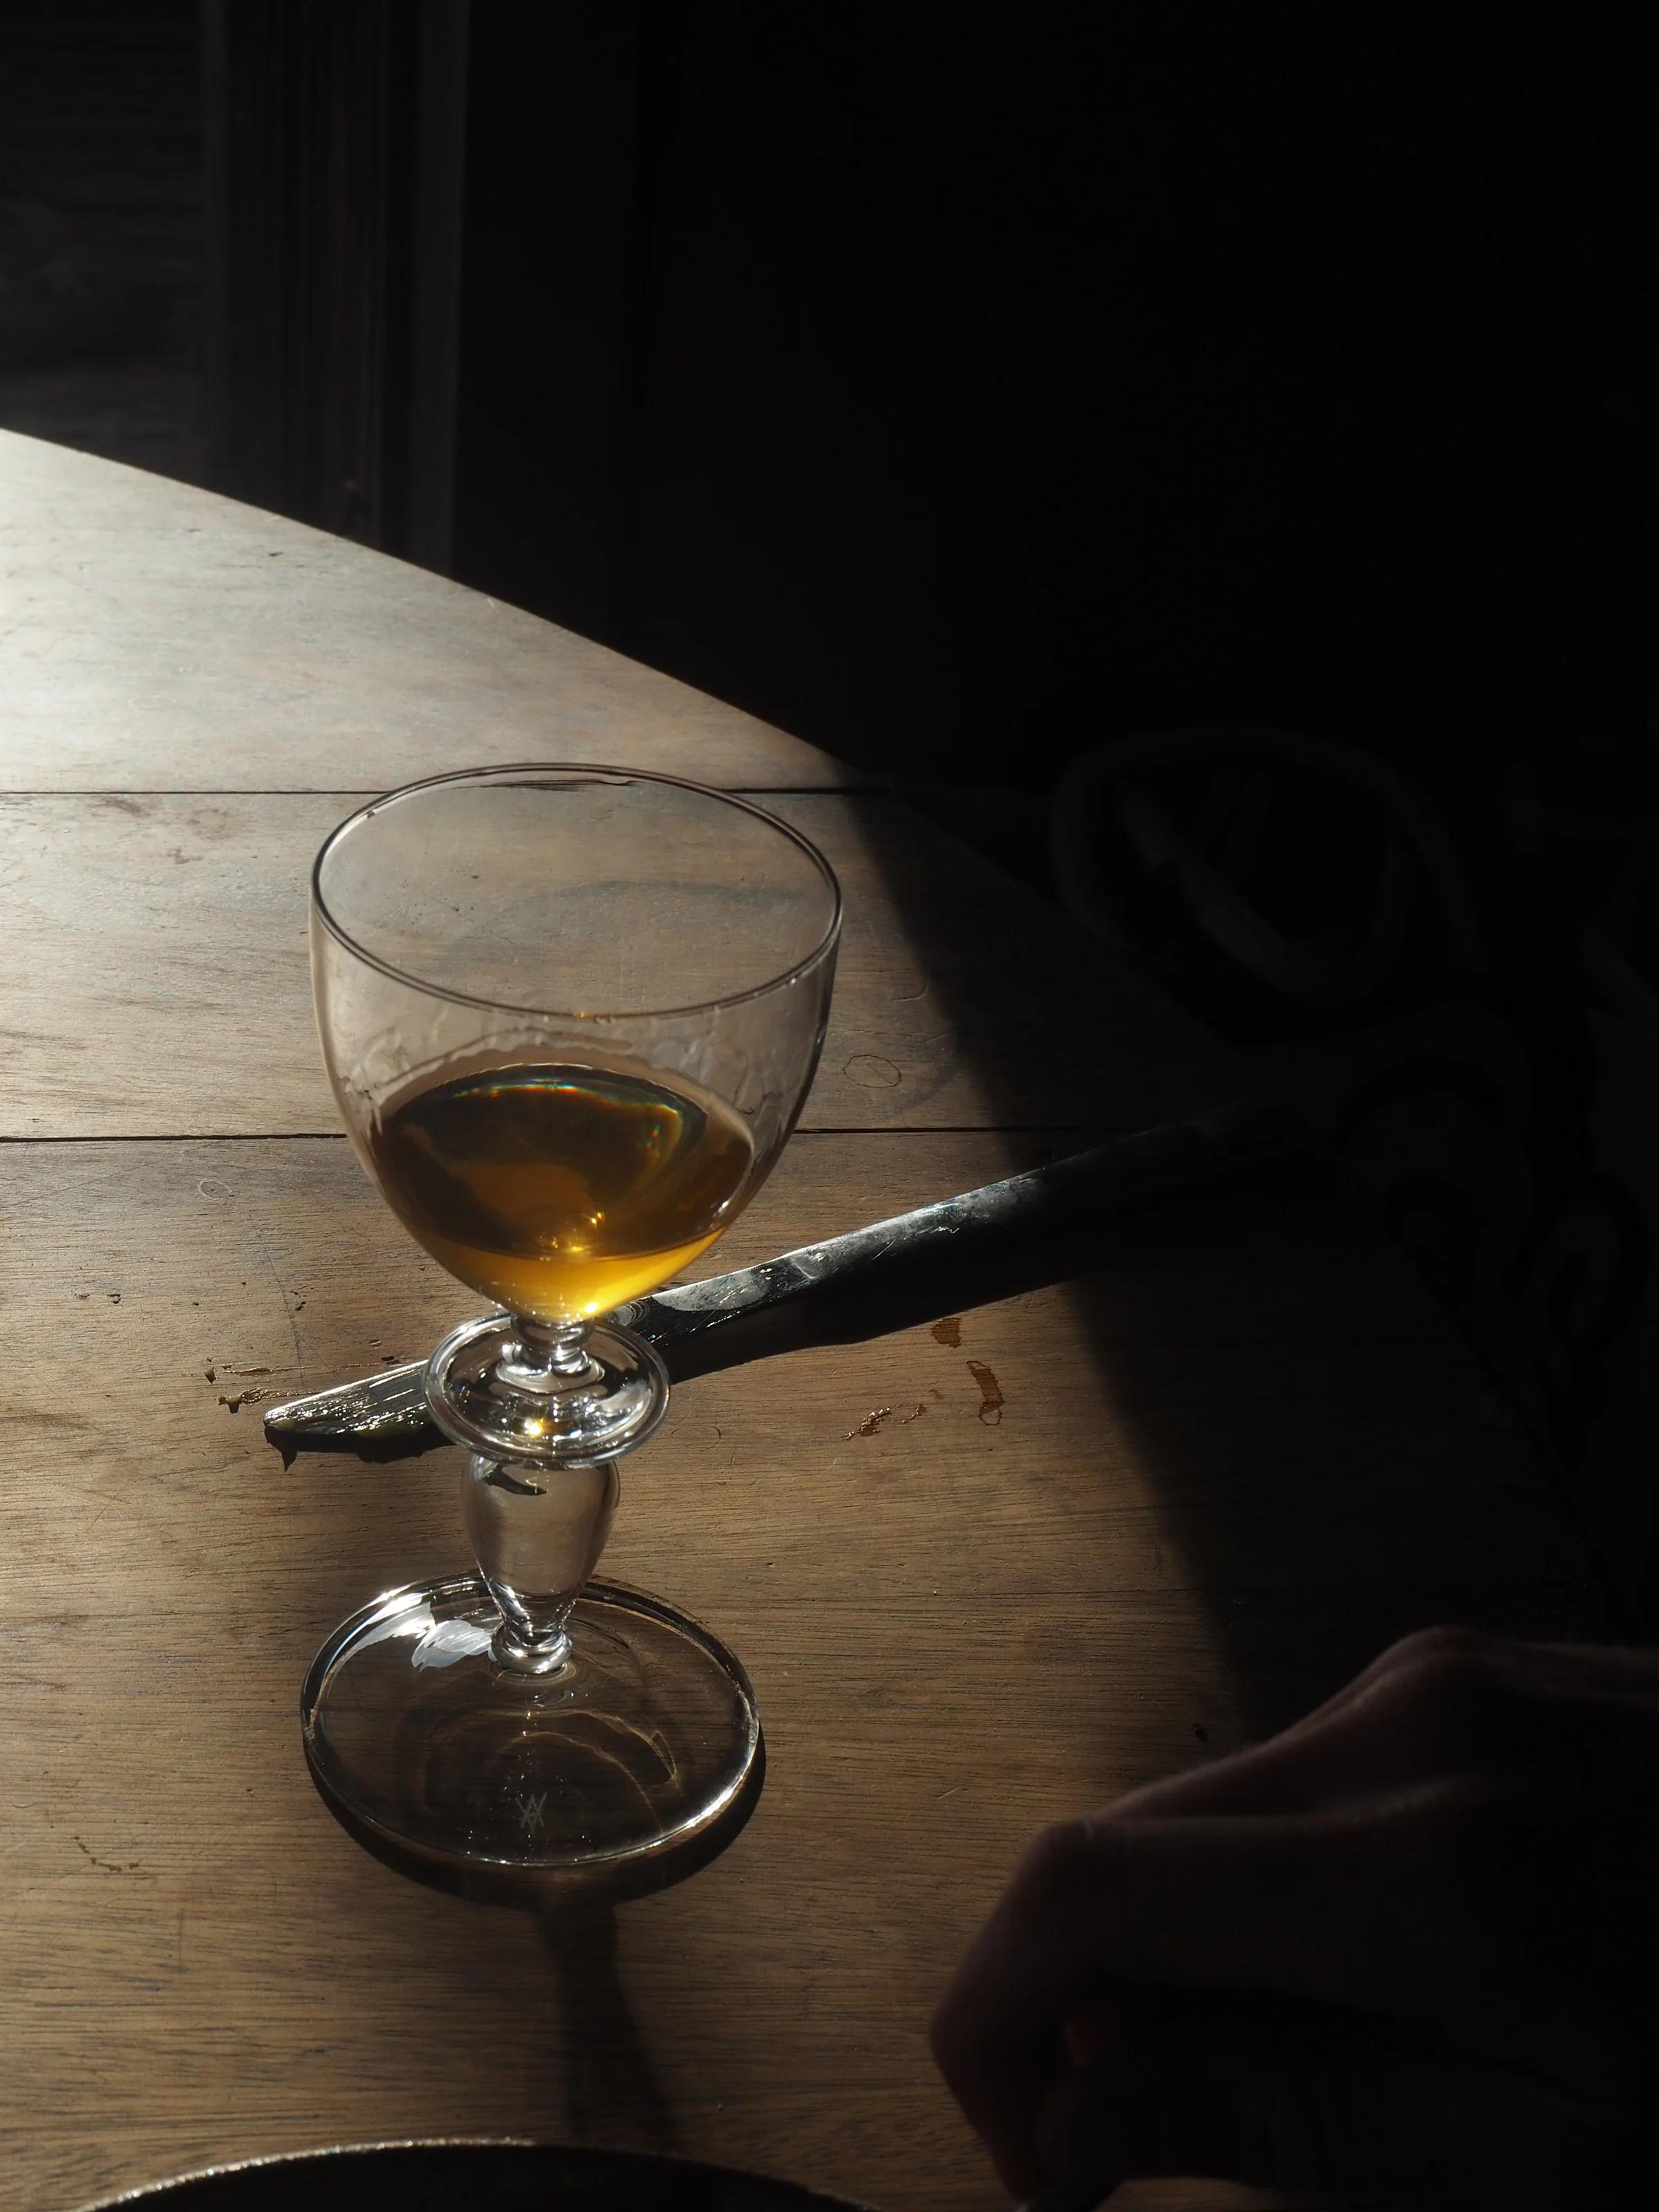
point(561, 1191)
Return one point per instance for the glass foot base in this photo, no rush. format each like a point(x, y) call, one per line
point(637, 1744)
point(476, 1401)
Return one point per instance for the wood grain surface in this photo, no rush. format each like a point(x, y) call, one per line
point(157, 637)
point(159, 985)
point(1220, 1475)
point(983, 1574)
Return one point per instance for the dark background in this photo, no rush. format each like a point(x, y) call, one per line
point(937, 387)
point(979, 399)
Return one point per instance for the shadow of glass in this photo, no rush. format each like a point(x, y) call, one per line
point(586, 2026)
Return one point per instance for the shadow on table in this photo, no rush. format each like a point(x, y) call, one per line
point(607, 2067)
point(1327, 1466)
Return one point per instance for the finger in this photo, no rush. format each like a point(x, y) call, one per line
point(1371, 1911)
point(1333, 1752)
point(1434, 1705)
point(1292, 2097)
point(1560, 1666)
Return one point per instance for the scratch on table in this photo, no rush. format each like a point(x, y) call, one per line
point(293, 1325)
point(107, 1866)
point(873, 1071)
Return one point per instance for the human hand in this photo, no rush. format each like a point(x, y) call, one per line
point(1410, 1947)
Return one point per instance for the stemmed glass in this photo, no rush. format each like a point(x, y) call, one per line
point(569, 1014)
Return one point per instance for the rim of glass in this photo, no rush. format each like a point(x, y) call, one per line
point(787, 975)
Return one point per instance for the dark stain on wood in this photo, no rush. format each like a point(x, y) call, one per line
point(238, 1398)
point(991, 1400)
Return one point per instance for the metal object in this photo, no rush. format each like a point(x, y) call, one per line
point(511, 2176)
point(864, 1282)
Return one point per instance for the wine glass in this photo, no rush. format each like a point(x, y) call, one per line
point(569, 1014)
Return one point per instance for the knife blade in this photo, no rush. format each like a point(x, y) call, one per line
point(868, 1281)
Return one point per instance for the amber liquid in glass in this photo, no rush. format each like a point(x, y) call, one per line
point(561, 1191)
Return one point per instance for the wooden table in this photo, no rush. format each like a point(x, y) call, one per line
point(1105, 1530)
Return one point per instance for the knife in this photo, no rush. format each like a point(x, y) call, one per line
point(1027, 1230)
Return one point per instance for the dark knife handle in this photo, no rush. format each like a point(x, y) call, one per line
point(1010, 1235)
point(1184, 1155)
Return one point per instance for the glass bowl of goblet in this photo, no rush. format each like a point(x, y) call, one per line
point(570, 1015)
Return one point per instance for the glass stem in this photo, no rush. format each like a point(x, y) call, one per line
point(548, 1358)
point(536, 1533)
